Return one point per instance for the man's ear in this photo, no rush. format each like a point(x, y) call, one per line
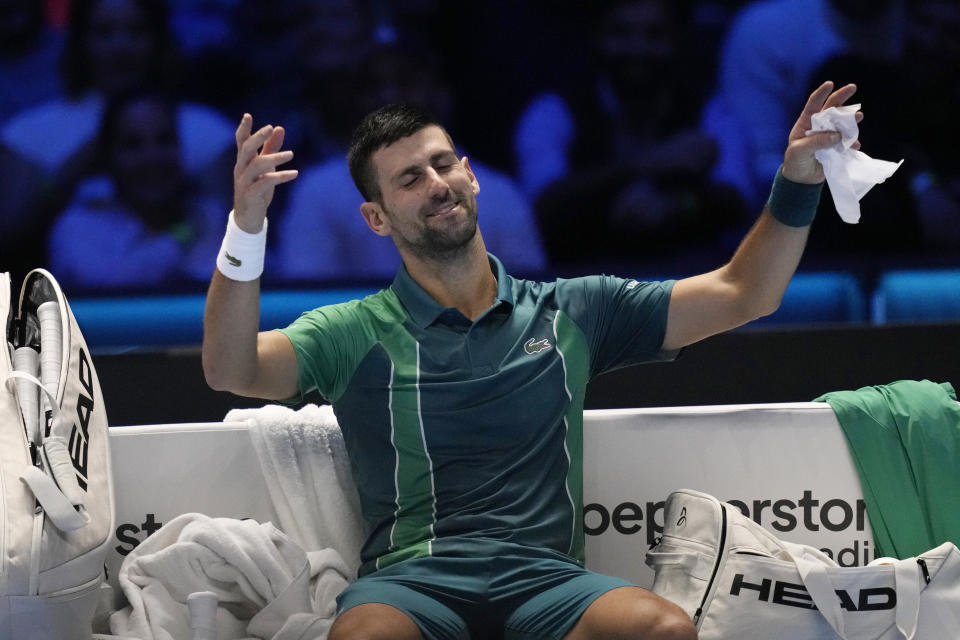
point(473, 179)
point(376, 218)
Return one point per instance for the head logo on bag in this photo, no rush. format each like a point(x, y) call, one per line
point(80, 434)
point(796, 595)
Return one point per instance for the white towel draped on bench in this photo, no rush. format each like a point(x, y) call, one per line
point(304, 462)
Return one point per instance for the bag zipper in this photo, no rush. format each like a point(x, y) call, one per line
point(716, 566)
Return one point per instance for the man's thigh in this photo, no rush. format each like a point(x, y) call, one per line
point(483, 597)
point(371, 603)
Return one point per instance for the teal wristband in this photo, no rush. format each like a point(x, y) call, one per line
point(793, 203)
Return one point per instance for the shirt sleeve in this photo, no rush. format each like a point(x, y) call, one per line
point(624, 321)
point(329, 342)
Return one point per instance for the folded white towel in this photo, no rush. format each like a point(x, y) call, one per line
point(307, 472)
point(266, 585)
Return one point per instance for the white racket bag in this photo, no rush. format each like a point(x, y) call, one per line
point(56, 486)
point(735, 579)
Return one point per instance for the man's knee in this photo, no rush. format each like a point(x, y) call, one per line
point(631, 612)
point(673, 624)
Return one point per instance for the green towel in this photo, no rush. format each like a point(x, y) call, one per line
point(905, 441)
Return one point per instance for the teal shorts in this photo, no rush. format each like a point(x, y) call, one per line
point(511, 597)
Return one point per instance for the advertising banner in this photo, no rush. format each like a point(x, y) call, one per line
point(784, 465)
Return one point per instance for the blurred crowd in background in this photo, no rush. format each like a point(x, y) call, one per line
point(634, 137)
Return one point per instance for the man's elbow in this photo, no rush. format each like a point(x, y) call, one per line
point(764, 306)
point(216, 378)
point(219, 375)
point(752, 305)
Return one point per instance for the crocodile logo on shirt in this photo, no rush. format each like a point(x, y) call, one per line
point(236, 262)
point(534, 346)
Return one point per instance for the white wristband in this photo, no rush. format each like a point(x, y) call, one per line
point(241, 254)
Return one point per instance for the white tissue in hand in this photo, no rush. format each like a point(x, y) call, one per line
point(850, 173)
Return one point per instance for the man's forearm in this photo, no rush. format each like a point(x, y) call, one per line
point(230, 325)
point(765, 262)
point(770, 254)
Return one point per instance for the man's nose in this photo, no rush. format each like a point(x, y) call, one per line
point(437, 186)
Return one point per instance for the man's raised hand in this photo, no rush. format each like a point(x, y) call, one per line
point(255, 174)
point(799, 163)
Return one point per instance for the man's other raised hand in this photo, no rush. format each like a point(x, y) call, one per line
point(255, 174)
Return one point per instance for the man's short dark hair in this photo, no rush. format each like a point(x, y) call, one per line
point(379, 129)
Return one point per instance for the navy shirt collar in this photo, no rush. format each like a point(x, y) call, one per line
point(424, 310)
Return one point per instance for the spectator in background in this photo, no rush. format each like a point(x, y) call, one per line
point(323, 217)
point(767, 63)
point(215, 62)
point(29, 50)
point(621, 169)
point(933, 58)
point(320, 47)
point(112, 46)
point(497, 55)
point(139, 224)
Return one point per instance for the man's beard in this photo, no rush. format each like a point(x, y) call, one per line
point(443, 245)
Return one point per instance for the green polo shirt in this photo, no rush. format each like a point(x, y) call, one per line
point(463, 434)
